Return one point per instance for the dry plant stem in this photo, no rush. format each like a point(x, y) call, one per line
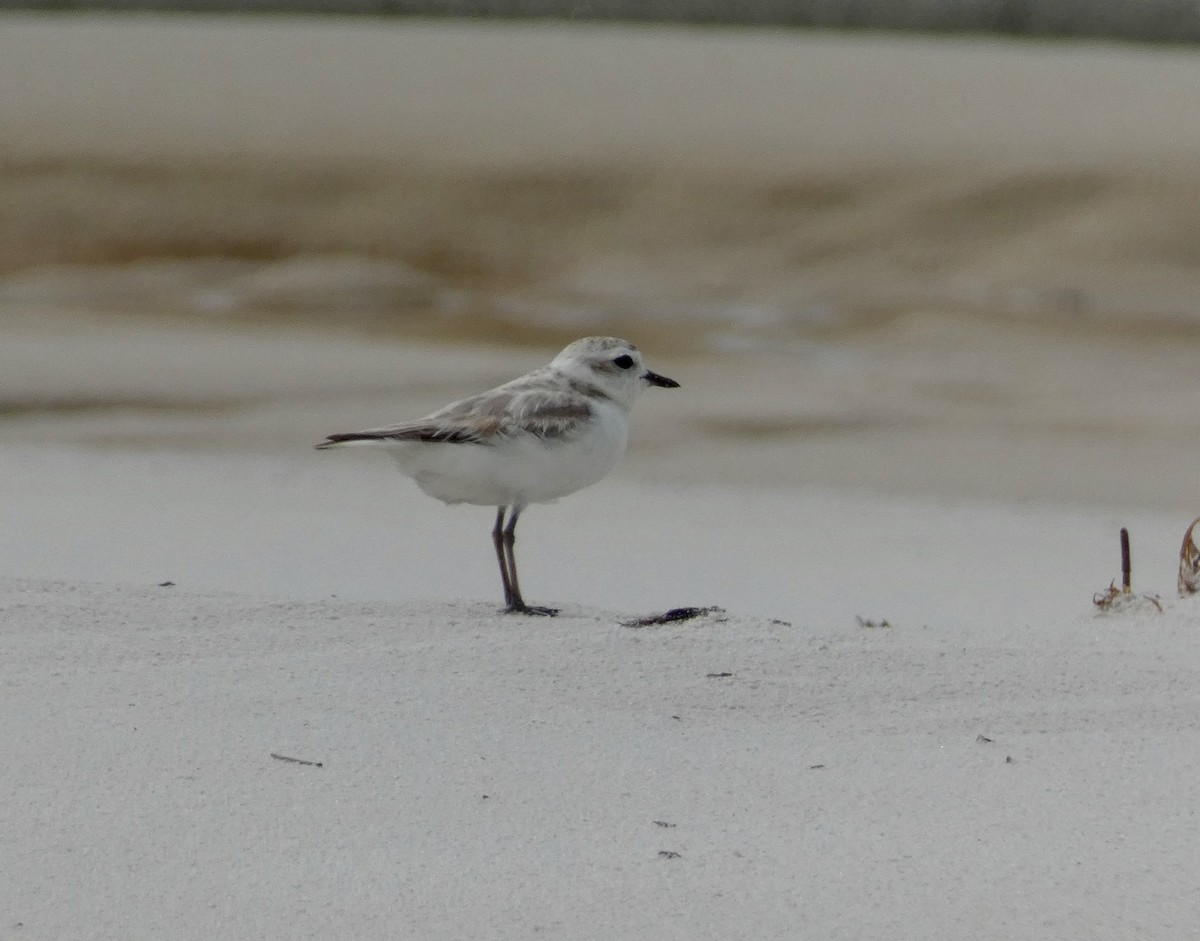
point(298, 761)
point(1114, 597)
point(1126, 563)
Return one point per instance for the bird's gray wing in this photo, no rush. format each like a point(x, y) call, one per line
point(524, 406)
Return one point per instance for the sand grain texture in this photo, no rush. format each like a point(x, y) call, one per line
point(501, 777)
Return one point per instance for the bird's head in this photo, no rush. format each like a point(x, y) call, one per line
point(612, 365)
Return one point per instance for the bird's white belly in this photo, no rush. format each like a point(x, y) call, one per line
point(516, 471)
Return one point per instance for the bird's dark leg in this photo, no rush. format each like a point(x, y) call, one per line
point(516, 604)
point(502, 557)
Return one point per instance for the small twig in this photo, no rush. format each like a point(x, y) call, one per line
point(1114, 598)
point(1126, 563)
point(298, 761)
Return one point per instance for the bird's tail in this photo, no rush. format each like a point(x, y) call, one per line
point(346, 440)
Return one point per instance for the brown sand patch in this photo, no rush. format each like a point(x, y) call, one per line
point(784, 253)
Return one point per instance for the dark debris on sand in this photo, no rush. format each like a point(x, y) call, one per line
point(672, 616)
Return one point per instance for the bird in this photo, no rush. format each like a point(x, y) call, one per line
point(535, 439)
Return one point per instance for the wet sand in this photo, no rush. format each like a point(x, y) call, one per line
point(518, 176)
point(927, 266)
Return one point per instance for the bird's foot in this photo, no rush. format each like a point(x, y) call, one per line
point(531, 610)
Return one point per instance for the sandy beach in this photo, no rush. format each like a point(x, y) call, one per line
point(489, 777)
point(932, 304)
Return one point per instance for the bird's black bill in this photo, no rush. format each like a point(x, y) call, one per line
point(656, 380)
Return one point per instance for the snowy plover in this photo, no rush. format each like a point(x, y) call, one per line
point(535, 439)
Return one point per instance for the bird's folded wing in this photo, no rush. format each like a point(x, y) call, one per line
point(488, 418)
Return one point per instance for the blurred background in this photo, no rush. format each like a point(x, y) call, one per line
point(943, 250)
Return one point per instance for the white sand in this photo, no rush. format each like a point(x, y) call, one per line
point(489, 776)
point(504, 778)
point(493, 777)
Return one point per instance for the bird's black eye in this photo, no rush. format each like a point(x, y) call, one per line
point(624, 361)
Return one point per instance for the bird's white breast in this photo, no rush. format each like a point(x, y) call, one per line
point(520, 469)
